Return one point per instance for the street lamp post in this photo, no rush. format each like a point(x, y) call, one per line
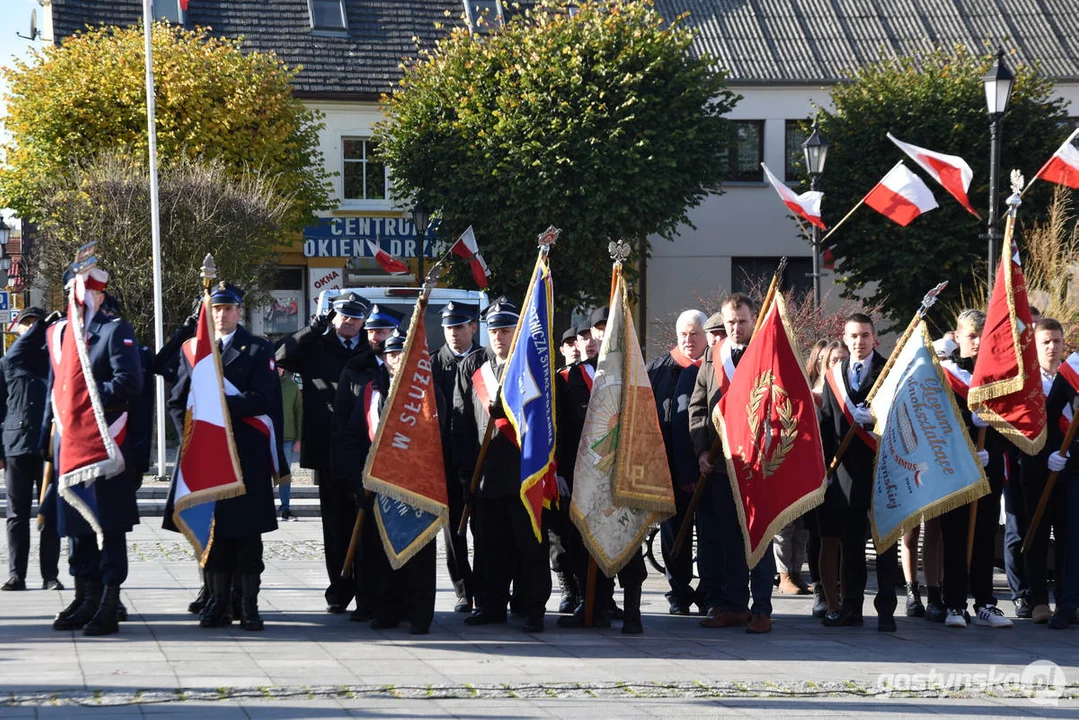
point(816, 152)
point(5, 259)
point(998, 84)
point(419, 219)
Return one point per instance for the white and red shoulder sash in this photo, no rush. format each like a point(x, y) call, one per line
point(958, 378)
point(834, 378)
point(485, 384)
point(723, 365)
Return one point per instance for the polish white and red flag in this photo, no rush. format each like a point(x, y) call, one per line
point(388, 262)
point(901, 196)
point(1063, 167)
point(806, 205)
point(466, 247)
point(951, 171)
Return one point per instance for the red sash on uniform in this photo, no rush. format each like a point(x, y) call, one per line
point(371, 397)
point(958, 378)
point(484, 381)
point(1069, 370)
point(723, 365)
point(588, 374)
point(834, 378)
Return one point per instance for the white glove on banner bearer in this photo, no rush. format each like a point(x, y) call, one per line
point(977, 421)
point(863, 416)
point(1057, 461)
point(983, 457)
point(563, 486)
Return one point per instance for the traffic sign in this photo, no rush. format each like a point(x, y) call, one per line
point(4, 298)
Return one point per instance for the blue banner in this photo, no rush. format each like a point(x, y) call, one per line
point(528, 393)
point(404, 528)
point(926, 464)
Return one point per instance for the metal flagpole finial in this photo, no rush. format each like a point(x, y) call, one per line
point(1015, 199)
point(548, 237)
point(931, 297)
point(782, 265)
point(209, 267)
point(619, 250)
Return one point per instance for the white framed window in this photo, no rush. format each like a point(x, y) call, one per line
point(363, 176)
point(328, 15)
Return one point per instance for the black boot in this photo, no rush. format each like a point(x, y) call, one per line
point(121, 612)
point(568, 584)
point(934, 609)
point(218, 611)
point(631, 614)
point(195, 606)
point(914, 601)
point(80, 595)
point(105, 621)
point(249, 587)
point(77, 618)
point(820, 605)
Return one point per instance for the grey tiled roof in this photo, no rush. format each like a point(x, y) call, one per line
point(758, 41)
point(818, 41)
point(362, 63)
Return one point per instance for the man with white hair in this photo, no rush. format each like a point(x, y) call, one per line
point(664, 373)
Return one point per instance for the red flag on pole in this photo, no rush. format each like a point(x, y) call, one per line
point(805, 206)
point(1006, 386)
point(466, 247)
point(901, 196)
point(388, 262)
point(768, 422)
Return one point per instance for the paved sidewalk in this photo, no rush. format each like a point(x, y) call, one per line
point(310, 664)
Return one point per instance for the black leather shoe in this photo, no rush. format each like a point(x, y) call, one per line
point(14, 583)
point(677, 608)
point(479, 617)
point(384, 624)
point(335, 608)
point(359, 615)
point(886, 624)
point(52, 584)
point(843, 618)
point(820, 605)
point(464, 605)
point(1060, 620)
point(935, 613)
point(534, 624)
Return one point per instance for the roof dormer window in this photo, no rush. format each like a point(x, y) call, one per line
point(483, 16)
point(328, 15)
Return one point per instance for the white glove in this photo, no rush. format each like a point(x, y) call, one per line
point(1057, 461)
point(563, 486)
point(863, 416)
point(977, 421)
point(983, 457)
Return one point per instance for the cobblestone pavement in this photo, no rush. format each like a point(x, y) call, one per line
point(310, 664)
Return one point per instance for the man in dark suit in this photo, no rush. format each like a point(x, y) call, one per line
point(459, 325)
point(318, 354)
point(24, 374)
point(843, 518)
point(236, 553)
point(100, 570)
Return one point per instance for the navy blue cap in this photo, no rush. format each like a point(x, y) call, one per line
point(599, 316)
point(501, 314)
point(351, 305)
point(457, 313)
point(226, 294)
point(383, 318)
point(569, 335)
point(395, 342)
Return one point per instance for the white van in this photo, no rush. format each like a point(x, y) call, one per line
point(403, 300)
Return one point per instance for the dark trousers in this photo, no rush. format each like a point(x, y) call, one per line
point(978, 581)
point(107, 564)
point(679, 570)
point(506, 549)
point(237, 556)
point(1068, 594)
point(1015, 528)
point(457, 545)
point(852, 529)
point(23, 477)
point(1055, 518)
point(557, 525)
point(338, 516)
point(735, 584)
point(409, 592)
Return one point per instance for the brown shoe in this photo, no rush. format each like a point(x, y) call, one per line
point(787, 586)
point(1041, 614)
point(725, 618)
point(760, 624)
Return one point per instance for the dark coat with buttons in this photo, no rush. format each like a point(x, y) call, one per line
point(24, 376)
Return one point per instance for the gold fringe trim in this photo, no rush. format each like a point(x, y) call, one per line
point(399, 559)
point(610, 565)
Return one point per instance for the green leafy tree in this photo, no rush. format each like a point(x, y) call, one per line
point(203, 210)
point(212, 102)
point(602, 123)
point(936, 102)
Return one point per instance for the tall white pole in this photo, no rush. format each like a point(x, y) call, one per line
point(155, 225)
